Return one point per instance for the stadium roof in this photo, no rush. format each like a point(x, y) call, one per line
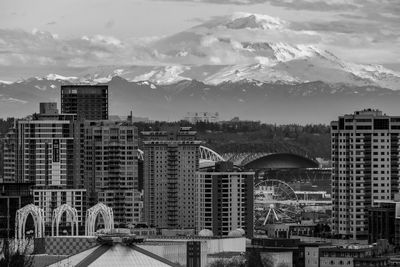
point(115, 255)
point(271, 160)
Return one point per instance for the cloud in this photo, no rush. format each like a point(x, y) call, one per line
point(21, 48)
point(241, 38)
point(317, 5)
point(109, 24)
point(368, 34)
point(103, 40)
point(237, 39)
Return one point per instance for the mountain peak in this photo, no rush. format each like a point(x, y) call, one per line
point(54, 77)
point(242, 20)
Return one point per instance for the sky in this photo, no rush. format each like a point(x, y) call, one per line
point(64, 36)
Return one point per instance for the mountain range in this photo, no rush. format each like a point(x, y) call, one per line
point(236, 65)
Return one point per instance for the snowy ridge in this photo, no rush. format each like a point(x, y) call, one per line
point(285, 52)
point(239, 47)
point(240, 20)
point(54, 77)
point(165, 75)
point(6, 82)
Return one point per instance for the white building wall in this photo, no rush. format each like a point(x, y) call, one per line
point(50, 199)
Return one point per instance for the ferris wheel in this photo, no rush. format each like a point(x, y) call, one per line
point(275, 202)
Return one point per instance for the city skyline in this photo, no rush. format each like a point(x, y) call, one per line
point(200, 133)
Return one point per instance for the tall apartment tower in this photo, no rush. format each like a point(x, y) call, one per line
point(89, 102)
point(171, 160)
point(365, 161)
point(40, 150)
point(224, 199)
point(108, 168)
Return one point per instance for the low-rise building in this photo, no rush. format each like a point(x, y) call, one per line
point(50, 199)
point(13, 196)
point(287, 230)
point(195, 117)
point(381, 222)
point(351, 256)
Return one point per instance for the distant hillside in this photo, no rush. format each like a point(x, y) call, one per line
point(313, 102)
point(310, 140)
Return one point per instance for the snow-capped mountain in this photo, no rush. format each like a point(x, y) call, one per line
point(247, 65)
point(5, 82)
point(241, 47)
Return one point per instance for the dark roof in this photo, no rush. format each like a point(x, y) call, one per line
point(281, 161)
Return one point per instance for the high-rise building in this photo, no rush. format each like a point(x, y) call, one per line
point(365, 168)
point(171, 160)
point(224, 199)
point(107, 167)
point(1, 161)
point(89, 102)
point(39, 150)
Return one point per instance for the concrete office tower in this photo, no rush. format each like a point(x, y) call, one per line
point(171, 160)
point(108, 167)
point(365, 161)
point(224, 199)
point(89, 102)
point(39, 150)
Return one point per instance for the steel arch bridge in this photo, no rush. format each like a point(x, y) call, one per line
point(205, 154)
point(209, 154)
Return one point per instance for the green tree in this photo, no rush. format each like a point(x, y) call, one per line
point(18, 258)
point(233, 262)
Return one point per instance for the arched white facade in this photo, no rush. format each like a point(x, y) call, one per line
point(71, 213)
point(209, 154)
point(21, 217)
point(91, 216)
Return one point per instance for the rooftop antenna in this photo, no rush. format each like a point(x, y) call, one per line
point(130, 116)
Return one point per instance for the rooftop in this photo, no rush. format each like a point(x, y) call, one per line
point(117, 254)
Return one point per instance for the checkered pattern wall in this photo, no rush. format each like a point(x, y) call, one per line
point(63, 245)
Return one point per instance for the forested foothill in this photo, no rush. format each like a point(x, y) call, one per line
point(254, 136)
